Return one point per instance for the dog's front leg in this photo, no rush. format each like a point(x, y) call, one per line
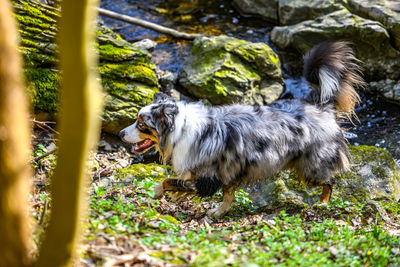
point(326, 194)
point(228, 198)
point(174, 185)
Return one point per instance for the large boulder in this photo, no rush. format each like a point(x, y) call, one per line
point(287, 12)
point(266, 9)
point(390, 89)
point(373, 176)
point(225, 69)
point(292, 12)
point(371, 40)
point(382, 11)
point(127, 74)
point(128, 77)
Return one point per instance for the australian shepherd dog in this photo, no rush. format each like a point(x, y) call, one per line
point(228, 146)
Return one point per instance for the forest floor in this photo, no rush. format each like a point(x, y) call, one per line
point(127, 227)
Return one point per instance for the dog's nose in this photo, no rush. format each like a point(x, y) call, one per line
point(121, 134)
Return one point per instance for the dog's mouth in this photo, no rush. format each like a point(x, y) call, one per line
point(142, 146)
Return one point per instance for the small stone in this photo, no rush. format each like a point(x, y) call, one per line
point(167, 80)
point(146, 44)
point(105, 146)
point(333, 251)
point(51, 146)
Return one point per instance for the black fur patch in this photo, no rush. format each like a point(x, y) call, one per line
point(175, 182)
point(296, 130)
point(207, 186)
point(146, 131)
point(180, 185)
point(232, 137)
point(299, 118)
point(261, 144)
point(257, 109)
point(207, 132)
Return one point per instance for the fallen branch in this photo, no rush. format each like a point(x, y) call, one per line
point(45, 155)
point(43, 125)
point(148, 25)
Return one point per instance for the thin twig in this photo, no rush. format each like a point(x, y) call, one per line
point(45, 155)
point(43, 125)
point(42, 216)
point(148, 25)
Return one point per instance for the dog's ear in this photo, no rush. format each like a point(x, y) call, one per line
point(166, 113)
point(161, 98)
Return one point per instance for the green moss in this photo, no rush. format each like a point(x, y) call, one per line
point(369, 162)
point(371, 153)
point(274, 58)
point(119, 51)
point(224, 70)
point(382, 159)
point(138, 73)
point(144, 171)
point(127, 72)
point(43, 86)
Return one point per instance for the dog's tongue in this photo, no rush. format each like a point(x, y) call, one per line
point(143, 144)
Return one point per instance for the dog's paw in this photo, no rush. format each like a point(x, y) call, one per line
point(159, 191)
point(215, 213)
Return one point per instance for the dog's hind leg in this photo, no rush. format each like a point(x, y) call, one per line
point(228, 198)
point(174, 185)
point(326, 194)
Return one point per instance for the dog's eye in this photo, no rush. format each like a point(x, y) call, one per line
point(140, 125)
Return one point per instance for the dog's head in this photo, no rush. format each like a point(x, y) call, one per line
point(153, 125)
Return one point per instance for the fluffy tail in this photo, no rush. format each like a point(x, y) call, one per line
point(333, 72)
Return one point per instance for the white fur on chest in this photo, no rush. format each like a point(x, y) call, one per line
point(188, 125)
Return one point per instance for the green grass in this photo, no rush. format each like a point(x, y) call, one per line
point(325, 238)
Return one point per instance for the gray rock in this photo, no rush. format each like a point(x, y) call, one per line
point(267, 9)
point(371, 40)
point(51, 147)
point(167, 80)
point(225, 69)
point(390, 89)
point(145, 44)
point(386, 12)
point(105, 146)
point(292, 12)
point(287, 12)
point(373, 176)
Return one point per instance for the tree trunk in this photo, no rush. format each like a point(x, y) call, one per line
point(79, 131)
point(14, 148)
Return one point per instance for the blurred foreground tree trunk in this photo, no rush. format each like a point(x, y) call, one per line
point(79, 126)
point(14, 148)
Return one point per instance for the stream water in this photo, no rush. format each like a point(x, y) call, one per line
point(379, 120)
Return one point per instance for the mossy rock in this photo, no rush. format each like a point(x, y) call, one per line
point(225, 69)
point(127, 74)
point(141, 171)
point(373, 176)
point(371, 41)
point(382, 11)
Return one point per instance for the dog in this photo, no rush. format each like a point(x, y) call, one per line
point(227, 146)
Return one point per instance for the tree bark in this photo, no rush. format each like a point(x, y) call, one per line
point(14, 148)
point(79, 131)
